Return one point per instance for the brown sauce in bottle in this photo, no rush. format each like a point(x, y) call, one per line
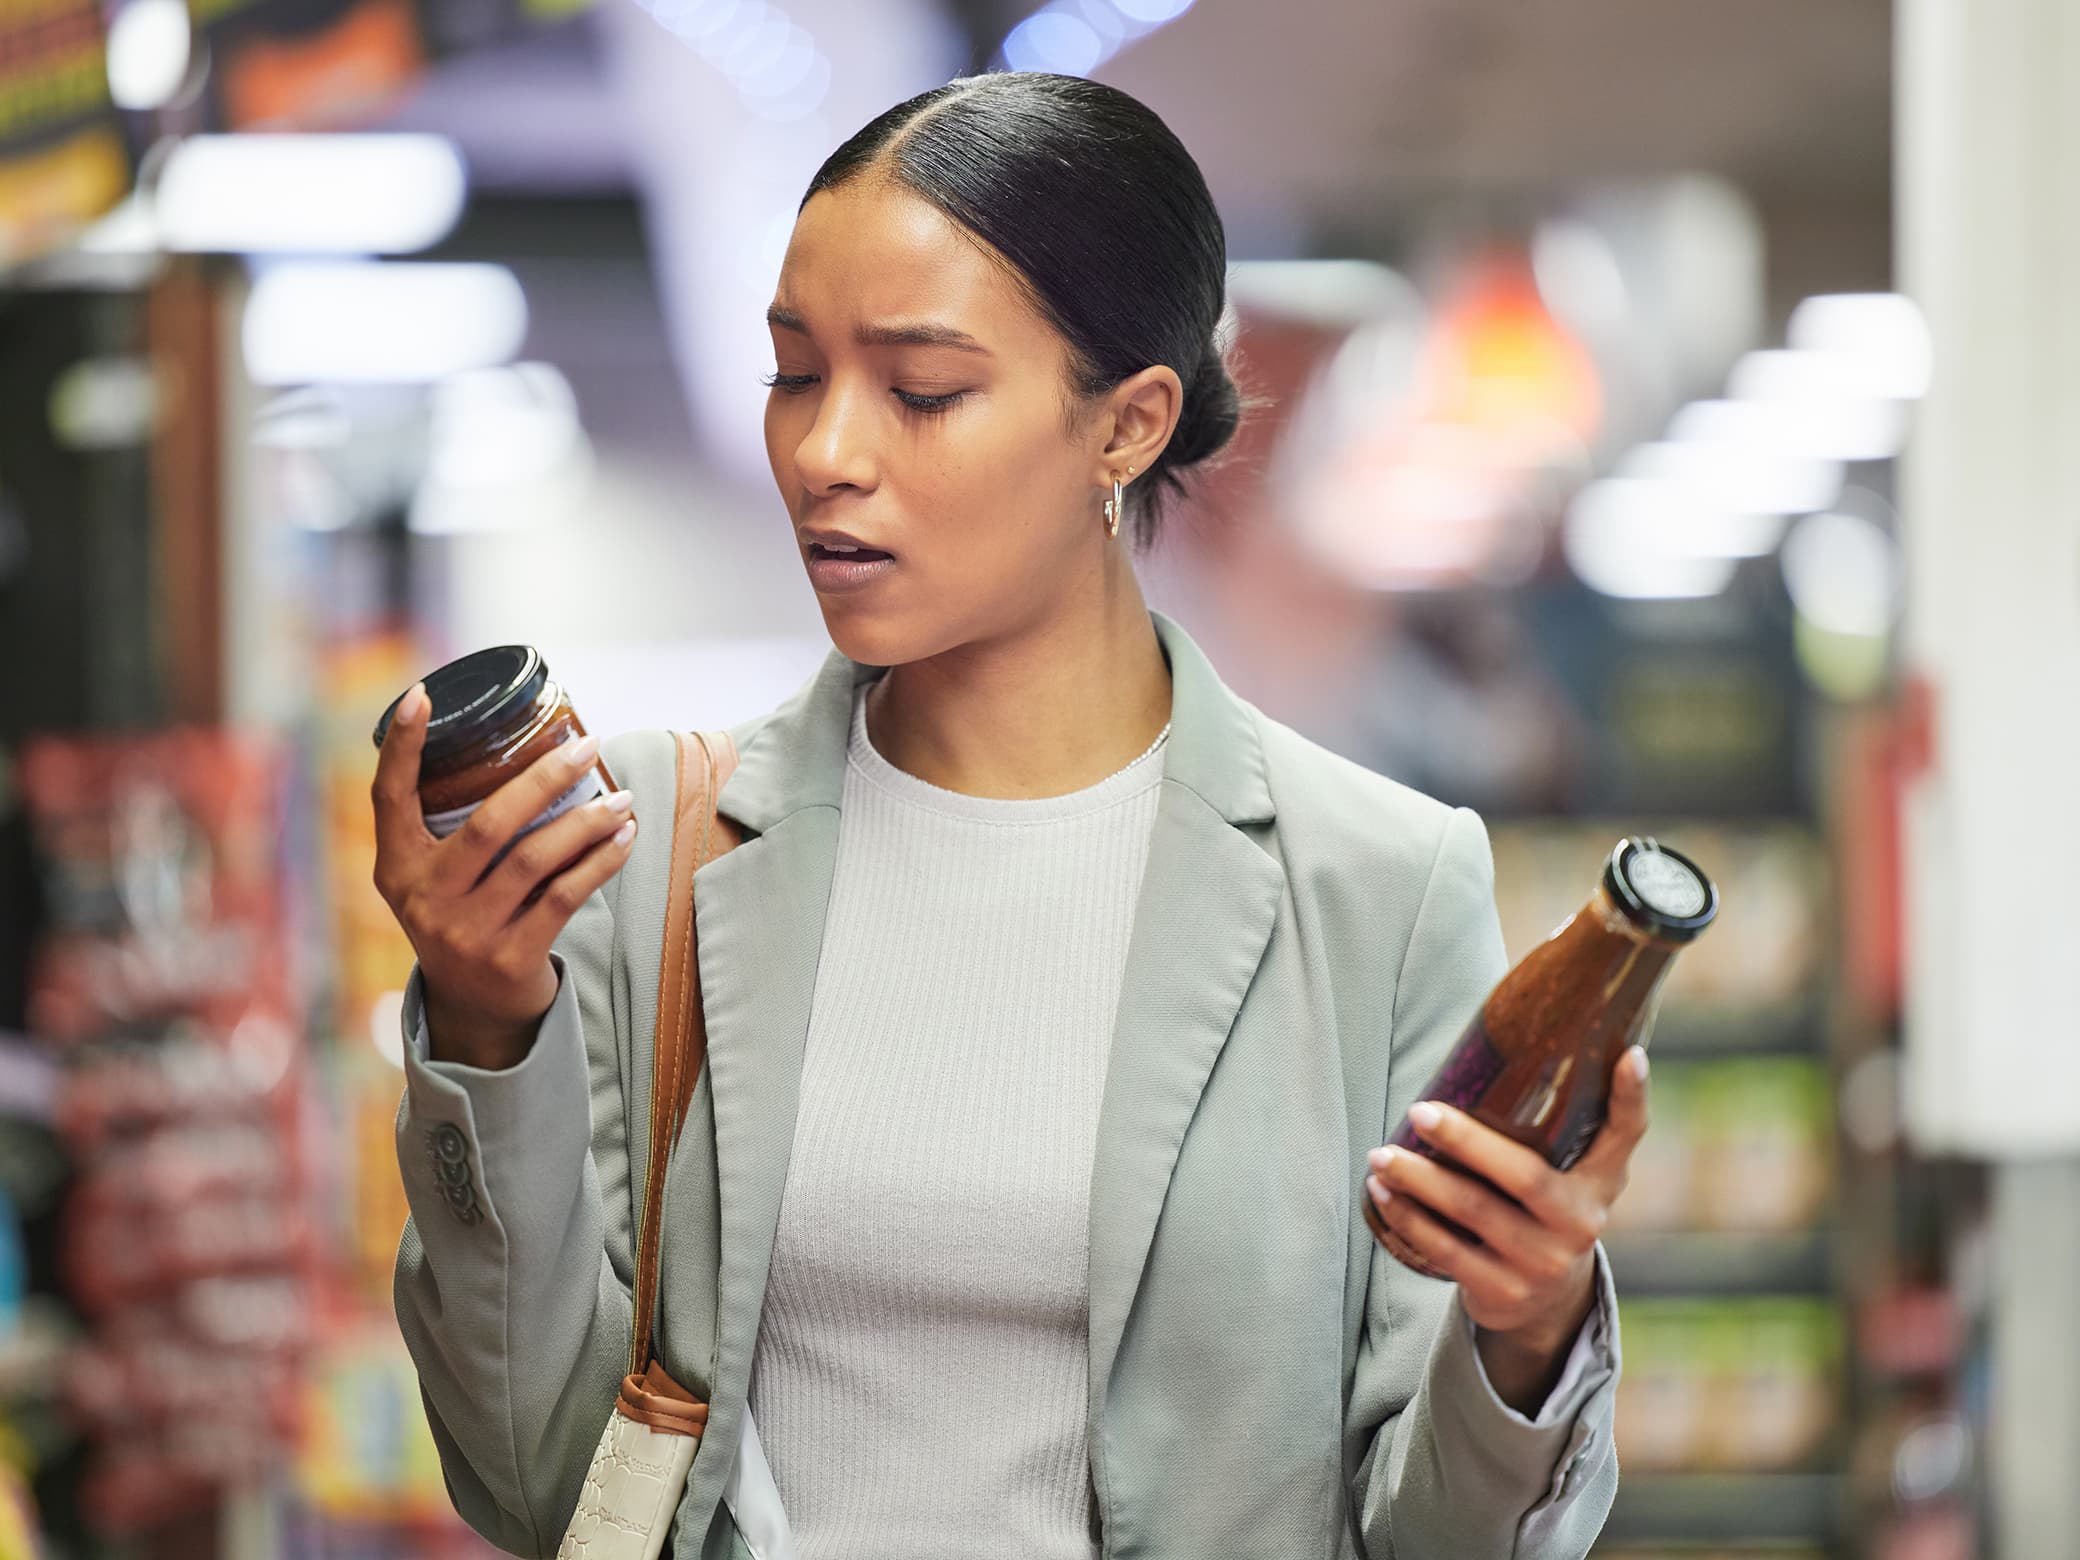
point(1536, 1062)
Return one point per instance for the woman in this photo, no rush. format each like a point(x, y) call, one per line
point(1058, 1001)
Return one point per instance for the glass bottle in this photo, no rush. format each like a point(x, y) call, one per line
point(1536, 1061)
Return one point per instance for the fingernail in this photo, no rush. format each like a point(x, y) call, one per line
point(625, 833)
point(413, 702)
point(1379, 1157)
point(1639, 1065)
point(621, 801)
point(1380, 1193)
point(1425, 1115)
point(582, 751)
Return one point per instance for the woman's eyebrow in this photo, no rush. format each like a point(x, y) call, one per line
point(917, 333)
point(904, 333)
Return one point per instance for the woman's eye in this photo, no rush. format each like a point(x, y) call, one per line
point(928, 403)
point(793, 384)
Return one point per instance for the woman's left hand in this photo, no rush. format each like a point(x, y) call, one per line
point(1532, 1277)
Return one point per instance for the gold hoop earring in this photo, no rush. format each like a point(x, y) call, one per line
point(1115, 507)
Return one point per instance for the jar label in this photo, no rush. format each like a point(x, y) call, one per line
point(589, 786)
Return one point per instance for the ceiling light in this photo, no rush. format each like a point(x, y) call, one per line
point(365, 322)
point(148, 48)
point(1738, 477)
point(1881, 338)
point(1832, 413)
point(1616, 538)
point(1054, 41)
point(310, 194)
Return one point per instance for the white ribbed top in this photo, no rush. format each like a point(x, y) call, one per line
point(920, 1383)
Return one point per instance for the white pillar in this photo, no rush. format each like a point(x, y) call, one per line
point(1989, 243)
point(1989, 138)
point(2033, 1461)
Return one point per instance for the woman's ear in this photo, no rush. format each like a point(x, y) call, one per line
point(1144, 409)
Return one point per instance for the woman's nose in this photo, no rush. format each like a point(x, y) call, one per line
point(836, 452)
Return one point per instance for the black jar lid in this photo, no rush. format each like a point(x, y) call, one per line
point(474, 696)
point(1661, 889)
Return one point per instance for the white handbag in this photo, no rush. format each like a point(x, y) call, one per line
point(639, 1468)
point(633, 1487)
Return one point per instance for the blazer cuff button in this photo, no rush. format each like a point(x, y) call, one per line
point(462, 1201)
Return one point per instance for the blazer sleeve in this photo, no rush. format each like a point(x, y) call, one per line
point(1452, 1471)
point(513, 1277)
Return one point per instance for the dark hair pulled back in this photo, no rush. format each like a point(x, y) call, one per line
point(1101, 211)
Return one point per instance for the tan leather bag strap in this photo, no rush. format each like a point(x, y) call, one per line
point(679, 1047)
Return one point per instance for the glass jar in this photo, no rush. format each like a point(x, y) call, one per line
point(494, 713)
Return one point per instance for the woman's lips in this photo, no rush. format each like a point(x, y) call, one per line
point(834, 573)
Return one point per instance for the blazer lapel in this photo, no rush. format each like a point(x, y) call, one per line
point(1208, 900)
point(759, 914)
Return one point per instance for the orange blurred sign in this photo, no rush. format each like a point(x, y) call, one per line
point(345, 67)
point(311, 64)
point(1446, 480)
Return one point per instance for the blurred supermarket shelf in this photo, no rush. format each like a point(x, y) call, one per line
point(28, 1077)
point(1717, 1507)
point(1685, 1032)
point(32, 1350)
point(1718, 1262)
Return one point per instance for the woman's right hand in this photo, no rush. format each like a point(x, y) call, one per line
point(483, 937)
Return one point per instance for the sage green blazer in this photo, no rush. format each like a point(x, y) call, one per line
point(1264, 1382)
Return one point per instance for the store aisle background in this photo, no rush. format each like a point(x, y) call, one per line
point(1665, 429)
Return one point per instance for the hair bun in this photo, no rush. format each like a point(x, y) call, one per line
point(1212, 412)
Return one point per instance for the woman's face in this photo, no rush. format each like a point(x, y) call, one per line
point(920, 406)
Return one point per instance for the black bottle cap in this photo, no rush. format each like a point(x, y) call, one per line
point(475, 694)
point(1661, 889)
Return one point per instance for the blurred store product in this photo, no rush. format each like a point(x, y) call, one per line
point(1463, 704)
point(159, 866)
point(1755, 977)
point(63, 159)
point(165, 978)
point(18, 1524)
point(366, 1453)
point(1740, 1144)
point(1736, 1384)
point(1536, 1062)
point(14, 1275)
